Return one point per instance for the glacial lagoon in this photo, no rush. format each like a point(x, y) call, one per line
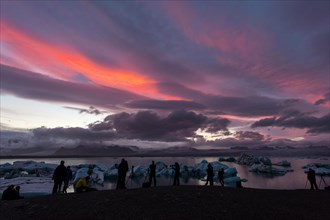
point(294, 179)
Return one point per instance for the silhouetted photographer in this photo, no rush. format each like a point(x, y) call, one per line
point(312, 179)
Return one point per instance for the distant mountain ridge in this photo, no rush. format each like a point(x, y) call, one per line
point(81, 150)
point(175, 151)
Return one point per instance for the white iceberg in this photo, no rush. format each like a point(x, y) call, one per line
point(247, 159)
point(283, 163)
point(320, 169)
point(266, 169)
point(265, 160)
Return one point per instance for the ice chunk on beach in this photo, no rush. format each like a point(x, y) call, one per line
point(232, 180)
point(97, 175)
point(140, 170)
point(218, 166)
point(230, 172)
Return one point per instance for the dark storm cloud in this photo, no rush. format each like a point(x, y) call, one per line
point(324, 100)
point(241, 135)
point(81, 134)
point(146, 125)
point(297, 120)
point(164, 104)
point(240, 106)
point(40, 87)
point(91, 110)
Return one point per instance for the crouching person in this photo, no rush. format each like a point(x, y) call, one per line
point(83, 186)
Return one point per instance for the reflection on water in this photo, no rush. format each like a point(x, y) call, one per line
point(291, 180)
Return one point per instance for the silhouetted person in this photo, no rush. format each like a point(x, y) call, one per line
point(209, 175)
point(9, 193)
point(122, 170)
point(152, 174)
point(90, 170)
point(221, 173)
point(58, 177)
point(132, 173)
point(176, 181)
point(17, 193)
point(67, 178)
point(37, 172)
point(83, 186)
point(312, 179)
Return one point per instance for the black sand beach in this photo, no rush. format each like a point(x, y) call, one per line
point(184, 202)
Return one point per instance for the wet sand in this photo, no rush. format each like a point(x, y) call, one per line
point(184, 202)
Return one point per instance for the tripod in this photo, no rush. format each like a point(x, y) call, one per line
point(322, 180)
point(131, 176)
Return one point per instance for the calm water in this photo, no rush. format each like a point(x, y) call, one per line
point(291, 180)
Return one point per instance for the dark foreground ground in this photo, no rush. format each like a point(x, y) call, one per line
point(184, 202)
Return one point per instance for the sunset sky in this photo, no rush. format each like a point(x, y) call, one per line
point(155, 74)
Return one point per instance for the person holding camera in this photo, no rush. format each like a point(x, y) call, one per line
point(312, 179)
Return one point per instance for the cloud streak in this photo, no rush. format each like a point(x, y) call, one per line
point(314, 125)
point(35, 86)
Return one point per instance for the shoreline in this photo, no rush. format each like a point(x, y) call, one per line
point(166, 202)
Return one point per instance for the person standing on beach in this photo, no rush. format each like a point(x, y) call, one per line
point(67, 178)
point(221, 173)
point(58, 177)
point(17, 193)
point(122, 170)
point(9, 193)
point(176, 181)
point(312, 179)
point(209, 175)
point(152, 174)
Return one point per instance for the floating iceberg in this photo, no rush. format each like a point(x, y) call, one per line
point(231, 181)
point(263, 165)
point(268, 169)
point(265, 161)
point(320, 169)
point(283, 163)
point(247, 159)
point(229, 159)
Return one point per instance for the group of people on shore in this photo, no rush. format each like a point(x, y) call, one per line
point(151, 173)
point(11, 193)
point(61, 175)
point(64, 174)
